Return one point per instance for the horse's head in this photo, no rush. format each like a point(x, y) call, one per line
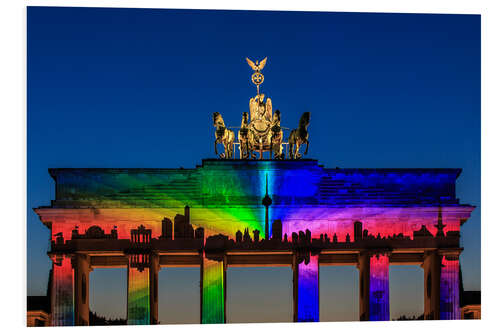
point(218, 121)
point(215, 116)
point(244, 119)
point(305, 119)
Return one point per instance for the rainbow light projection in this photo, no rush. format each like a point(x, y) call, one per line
point(138, 296)
point(308, 290)
point(213, 311)
point(379, 288)
point(449, 307)
point(225, 196)
point(62, 292)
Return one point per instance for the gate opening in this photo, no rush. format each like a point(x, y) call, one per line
point(338, 293)
point(108, 296)
point(259, 294)
point(179, 295)
point(406, 292)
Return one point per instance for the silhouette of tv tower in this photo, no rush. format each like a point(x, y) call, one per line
point(267, 201)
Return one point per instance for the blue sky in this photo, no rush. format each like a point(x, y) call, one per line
point(137, 87)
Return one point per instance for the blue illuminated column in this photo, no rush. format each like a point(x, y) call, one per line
point(374, 286)
point(449, 307)
point(306, 289)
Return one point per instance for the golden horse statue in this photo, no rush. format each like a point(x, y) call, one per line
point(299, 136)
point(224, 136)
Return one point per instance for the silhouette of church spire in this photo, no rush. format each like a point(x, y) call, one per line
point(267, 201)
point(440, 226)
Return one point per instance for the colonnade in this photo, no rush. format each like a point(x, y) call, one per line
point(70, 287)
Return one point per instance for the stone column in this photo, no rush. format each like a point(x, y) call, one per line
point(364, 286)
point(138, 295)
point(62, 291)
point(449, 303)
point(81, 265)
point(213, 289)
point(432, 276)
point(374, 286)
point(153, 282)
point(306, 288)
point(441, 270)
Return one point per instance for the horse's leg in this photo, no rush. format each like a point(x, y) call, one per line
point(215, 146)
point(297, 147)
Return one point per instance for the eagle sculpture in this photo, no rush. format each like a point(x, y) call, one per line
point(257, 66)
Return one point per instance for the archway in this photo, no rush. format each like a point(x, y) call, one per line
point(108, 293)
point(179, 295)
point(259, 294)
point(339, 293)
point(406, 291)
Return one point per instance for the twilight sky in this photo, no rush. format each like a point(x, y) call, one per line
point(137, 88)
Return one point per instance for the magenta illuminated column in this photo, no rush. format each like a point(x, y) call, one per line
point(62, 298)
point(379, 287)
point(138, 306)
point(449, 307)
point(306, 289)
point(374, 286)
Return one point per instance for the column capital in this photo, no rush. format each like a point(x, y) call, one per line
point(375, 252)
point(82, 258)
point(450, 254)
point(154, 261)
point(58, 257)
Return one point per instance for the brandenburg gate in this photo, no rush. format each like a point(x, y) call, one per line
point(227, 212)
